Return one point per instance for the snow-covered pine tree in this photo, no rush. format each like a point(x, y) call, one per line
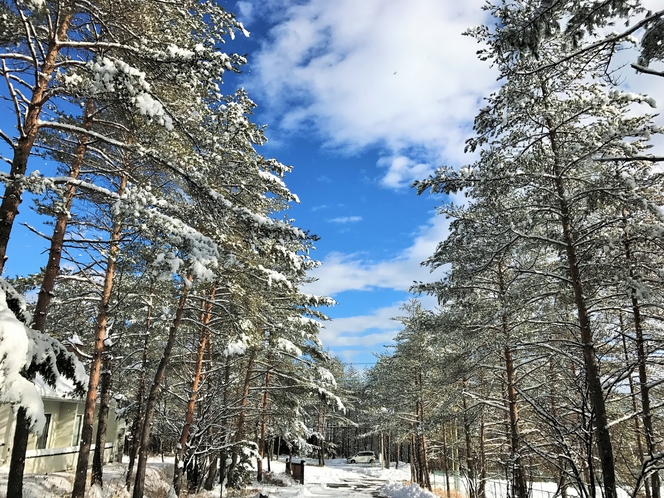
point(540, 138)
point(60, 48)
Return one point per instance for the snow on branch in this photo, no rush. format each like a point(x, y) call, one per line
point(19, 345)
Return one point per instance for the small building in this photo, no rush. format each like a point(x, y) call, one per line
point(56, 449)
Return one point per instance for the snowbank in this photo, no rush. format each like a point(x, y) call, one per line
point(398, 490)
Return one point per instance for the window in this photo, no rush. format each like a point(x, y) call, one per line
point(77, 430)
point(42, 440)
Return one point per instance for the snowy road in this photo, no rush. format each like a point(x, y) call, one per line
point(359, 486)
point(338, 479)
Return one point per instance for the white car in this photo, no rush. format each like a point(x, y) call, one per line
point(362, 457)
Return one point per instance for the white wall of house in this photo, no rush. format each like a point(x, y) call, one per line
point(61, 443)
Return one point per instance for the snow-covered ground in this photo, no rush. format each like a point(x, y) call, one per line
point(336, 479)
point(158, 479)
point(340, 479)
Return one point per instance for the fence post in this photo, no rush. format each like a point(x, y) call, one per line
point(288, 465)
point(302, 472)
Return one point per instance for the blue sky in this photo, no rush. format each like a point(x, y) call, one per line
point(361, 97)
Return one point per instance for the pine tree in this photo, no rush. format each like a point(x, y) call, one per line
point(540, 138)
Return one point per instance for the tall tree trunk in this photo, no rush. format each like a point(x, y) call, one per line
point(470, 460)
point(388, 450)
point(321, 449)
point(17, 461)
point(382, 451)
point(481, 491)
point(57, 239)
point(261, 444)
point(151, 402)
point(28, 132)
point(136, 425)
point(213, 467)
point(423, 466)
point(239, 434)
point(102, 419)
point(562, 461)
point(193, 392)
point(519, 479)
point(95, 365)
point(456, 462)
point(635, 407)
point(212, 473)
point(445, 462)
point(426, 480)
point(421, 440)
point(645, 394)
point(22, 432)
point(642, 359)
point(594, 382)
point(223, 454)
point(412, 460)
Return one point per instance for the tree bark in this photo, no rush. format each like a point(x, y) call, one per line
point(481, 491)
point(17, 461)
point(102, 419)
point(30, 127)
point(426, 480)
point(445, 462)
point(261, 444)
point(239, 434)
point(518, 477)
point(137, 425)
point(151, 403)
point(17, 465)
point(57, 239)
point(95, 366)
point(643, 374)
point(382, 451)
point(635, 406)
point(223, 455)
point(213, 467)
point(321, 449)
point(388, 451)
point(470, 460)
point(412, 460)
point(193, 392)
point(212, 474)
point(594, 382)
point(519, 480)
point(22, 432)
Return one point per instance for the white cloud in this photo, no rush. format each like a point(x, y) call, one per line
point(346, 219)
point(246, 12)
point(344, 272)
point(359, 334)
point(397, 74)
point(356, 336)
point(403, 171)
